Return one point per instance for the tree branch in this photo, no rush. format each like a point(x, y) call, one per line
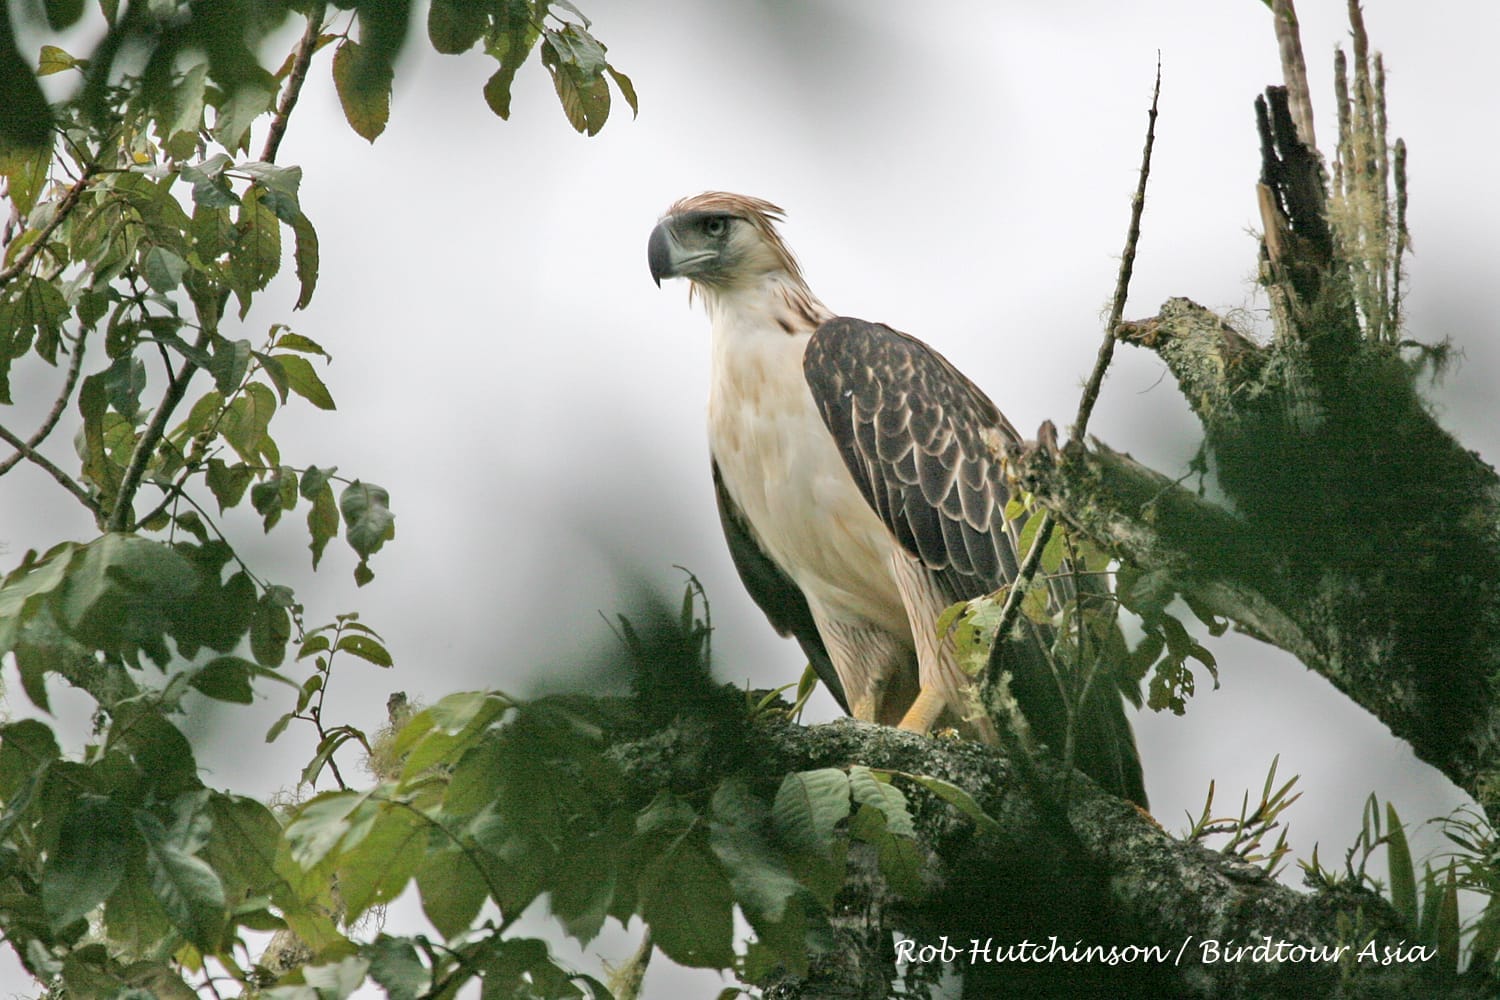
point(1111, 876)
point(1011, 610)
point(122, 517)
point(65, 206)
point(58, 406)
point(293, 89)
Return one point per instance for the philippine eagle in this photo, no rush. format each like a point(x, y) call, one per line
point(860, 491)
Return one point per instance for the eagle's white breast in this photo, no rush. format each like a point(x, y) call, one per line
point(780, 464)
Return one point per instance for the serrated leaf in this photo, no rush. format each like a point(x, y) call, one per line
point(807, 808)
point(364, 89)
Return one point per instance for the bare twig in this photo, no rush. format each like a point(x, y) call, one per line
point(1012, 608)
point(58, 406)
point(65, 206)
point(37, 458)
point(294, 82)
point(121, 517)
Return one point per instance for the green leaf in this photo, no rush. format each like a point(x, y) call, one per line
point(306, 257)
point(807, 808)
point(453, 26)
point(365, 648)
point(321, 824)
point(256, 256)
point(247, 102)
point(182, 127)
point(868, 789)
point(396, 968)
point(226, 678)
point(187, 888)
point(93, 843)
point(760, 879)
point(627, 89)
point(322, 521)
point(228, 482)
point(687, 900)
point(452, 890)
point(163, 269)
point(242, 845)
point(583, 92)
point(303, 380)
point(900, 862)
point(957, 797)
point(54, 60)
point(368, 521)
point(271, 628)
point(378, 869)
point(364, 88)
point(337, 980)
point(1449, 929)
point(1402, 872)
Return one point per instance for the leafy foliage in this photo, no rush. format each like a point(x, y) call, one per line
point(142, 231)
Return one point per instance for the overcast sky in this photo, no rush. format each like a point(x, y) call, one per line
point(506, 368)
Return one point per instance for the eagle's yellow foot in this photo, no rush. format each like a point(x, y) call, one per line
point(924, 712)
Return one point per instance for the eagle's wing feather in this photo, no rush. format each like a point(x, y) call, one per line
point(912, 430)
point(775, 593)
point(919, 439)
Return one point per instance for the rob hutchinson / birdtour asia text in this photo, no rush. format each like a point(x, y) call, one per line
point(1207, 951)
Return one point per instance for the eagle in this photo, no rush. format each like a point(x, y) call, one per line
point(860, 485)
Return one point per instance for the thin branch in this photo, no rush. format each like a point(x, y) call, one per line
point(120, 519)
point(41, 460)
point(1012, 608)
point(293, 90)
point(65, 206)
point(58, 406)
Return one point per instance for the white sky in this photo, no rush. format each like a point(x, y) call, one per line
point(505, 367)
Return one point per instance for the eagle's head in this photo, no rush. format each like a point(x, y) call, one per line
point(719, 240)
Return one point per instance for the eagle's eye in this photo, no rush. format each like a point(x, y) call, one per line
point(716, 226)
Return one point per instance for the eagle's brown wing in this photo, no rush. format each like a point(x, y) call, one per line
point(920, 440)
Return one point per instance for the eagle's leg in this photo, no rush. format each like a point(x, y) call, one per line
point(876, 667)
point(924, 711)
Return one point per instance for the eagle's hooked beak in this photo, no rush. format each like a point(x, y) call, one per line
point(659, 252)
point(669, 258)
